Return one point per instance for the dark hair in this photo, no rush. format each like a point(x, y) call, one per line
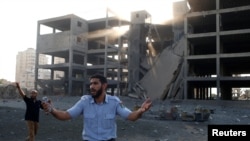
point(100, 77)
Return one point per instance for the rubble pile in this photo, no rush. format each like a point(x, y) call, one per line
point(8, 92)
point(200, 114)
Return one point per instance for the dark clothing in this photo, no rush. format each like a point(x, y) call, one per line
point(32, 109)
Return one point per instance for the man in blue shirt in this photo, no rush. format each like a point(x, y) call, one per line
point(99, 111)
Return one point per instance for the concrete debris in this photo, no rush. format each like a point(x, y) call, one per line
point(185, 116)
point(200, 114)
point(9, 91)
point(172, 115)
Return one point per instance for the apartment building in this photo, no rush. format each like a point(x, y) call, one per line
point(25, 68)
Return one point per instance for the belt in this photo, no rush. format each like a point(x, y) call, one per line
point(113, 139)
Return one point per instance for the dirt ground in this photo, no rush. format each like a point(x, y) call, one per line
point(149, 128)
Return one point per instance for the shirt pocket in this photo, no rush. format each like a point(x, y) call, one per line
point(109, 121)
point(90, 120)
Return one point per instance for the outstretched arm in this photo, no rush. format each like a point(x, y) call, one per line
point(22, 94)
point(58, 114)
point(138, 113)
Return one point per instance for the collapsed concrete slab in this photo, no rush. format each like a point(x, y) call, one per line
point(158, 80)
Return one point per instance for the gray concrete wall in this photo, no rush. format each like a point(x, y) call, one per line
point(158, 79)
point(54, 42)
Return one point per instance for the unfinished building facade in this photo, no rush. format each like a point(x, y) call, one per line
point(217, 48)
point(95, 46)
point(204, 48)
point(62, 43)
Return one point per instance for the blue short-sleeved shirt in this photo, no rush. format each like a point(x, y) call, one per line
point(99, 119)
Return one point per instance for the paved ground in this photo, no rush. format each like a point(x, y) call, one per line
point(149, 128)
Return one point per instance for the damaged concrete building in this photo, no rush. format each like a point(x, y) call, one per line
point(205, 47)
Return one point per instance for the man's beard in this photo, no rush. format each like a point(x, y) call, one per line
point(98, 93)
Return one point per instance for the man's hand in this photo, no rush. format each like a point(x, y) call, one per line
point(17, 85)
point(21, 92)
point(47, 106)
point(146, 105)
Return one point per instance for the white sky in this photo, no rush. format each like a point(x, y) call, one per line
point(19, 21)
